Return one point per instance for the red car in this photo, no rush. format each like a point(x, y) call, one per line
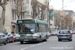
point(14, 38)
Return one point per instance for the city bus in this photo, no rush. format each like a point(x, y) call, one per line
point(32, 30)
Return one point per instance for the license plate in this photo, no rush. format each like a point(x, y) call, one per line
point(64, 37)
point(26, 40)
point(17, 38)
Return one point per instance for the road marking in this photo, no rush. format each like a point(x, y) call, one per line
point(39, 44)
point(24, 48)
point(33, 45)
point(52, 40)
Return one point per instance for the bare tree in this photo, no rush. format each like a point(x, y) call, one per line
point(3, 5)
point(42, 12)
point(68, 20)
point(34, 5)
point(18, 7)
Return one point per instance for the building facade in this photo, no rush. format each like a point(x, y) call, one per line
point(26, 12)
point(40, 10)
point(8, 16)
point(73, 20)
point(11, 15)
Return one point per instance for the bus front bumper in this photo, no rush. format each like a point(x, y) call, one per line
point(29, 39)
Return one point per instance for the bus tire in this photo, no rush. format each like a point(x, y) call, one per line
point(21, 42)
point(46, 37)
point(5, 42)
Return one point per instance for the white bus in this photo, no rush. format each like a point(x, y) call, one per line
point(32, 30)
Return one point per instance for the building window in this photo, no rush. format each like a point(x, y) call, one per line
point(13, 15)
point(31, 13)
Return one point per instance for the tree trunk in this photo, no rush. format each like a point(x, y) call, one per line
point(3, 17)
point(2, 20)
point(1, 25)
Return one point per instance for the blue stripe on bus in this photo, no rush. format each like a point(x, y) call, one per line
point(40, 22)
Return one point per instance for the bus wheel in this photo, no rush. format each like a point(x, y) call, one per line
point(21, 42)
point(46, 37)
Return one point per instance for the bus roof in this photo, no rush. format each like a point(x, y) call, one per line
point(41, 22)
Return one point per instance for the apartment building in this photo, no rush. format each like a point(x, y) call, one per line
point(41, 9)
point(44, 2)
point(26, 13)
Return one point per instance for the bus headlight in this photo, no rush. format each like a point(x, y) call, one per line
point(35, 35)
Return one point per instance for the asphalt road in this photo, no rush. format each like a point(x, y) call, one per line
point(51, 44)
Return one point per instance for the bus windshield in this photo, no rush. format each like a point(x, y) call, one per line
point(27, 28)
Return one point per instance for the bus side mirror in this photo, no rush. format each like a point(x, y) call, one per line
point(37, 24)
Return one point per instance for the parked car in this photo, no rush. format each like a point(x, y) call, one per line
point(9, 37)
point(16, 37)
point(54, 33)
point(64, 35)
point(3, 39)
point(73, 31)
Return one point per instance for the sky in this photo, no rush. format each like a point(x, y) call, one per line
point(57, 4)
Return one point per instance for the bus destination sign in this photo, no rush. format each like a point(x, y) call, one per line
point(25, 21)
